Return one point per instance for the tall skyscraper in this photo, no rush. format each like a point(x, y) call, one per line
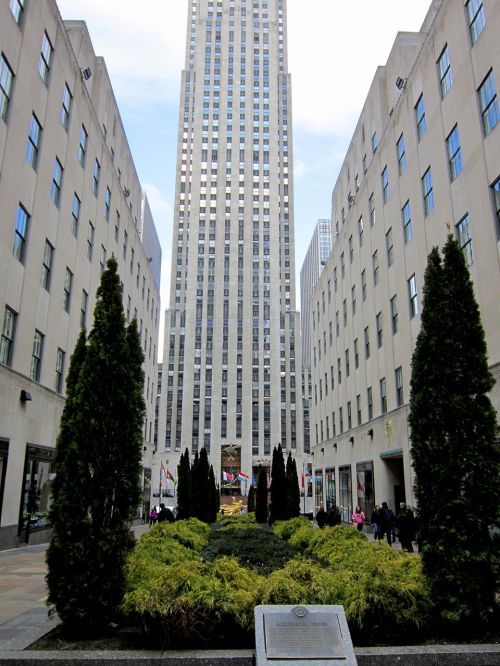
point(314, 262)
point(232, 340)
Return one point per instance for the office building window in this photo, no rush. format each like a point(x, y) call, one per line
point(107, 203)
point(394, 314)
point(75, 215)
point(90, 241)
point(420, 117)
point(495, 188)
point(378, 326)
point(399, 386)
point(33, 145)
point(68, 284)
point(464, 238)
point(58, 383)
point(367, 342)
point(48, 256)
point(428, 191)
point(389, 247)
point(454, 153)
point(17, 8)
point(488, 101)
point(117, 226)
point(383, 395)
point(6, 77)
point(475, 15)
point(36, 356)
point(444, 70)
point(125, 244)
point(406, 219)
point(385, 184)
point(369, 402)
point(374, 142)
point(55, 190)
point(82, 146)
point(66, 106)
point(371, 206)
point(375, 268)
point(413, 296)
point(83, 309)
point(363, 285)
point(45, 58)
point(8, 336)
point(21, 233)
point(102, 259)
point(401, 153)
point(96, 175)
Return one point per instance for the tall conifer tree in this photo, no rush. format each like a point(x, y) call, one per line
point(184, 504)
point(278, 508)
point(261, 496)
point(105, 437)
point(453, 427)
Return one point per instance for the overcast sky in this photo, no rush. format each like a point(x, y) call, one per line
point(334, 50)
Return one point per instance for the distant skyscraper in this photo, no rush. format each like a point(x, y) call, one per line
point(314, 262)
point(232, 342)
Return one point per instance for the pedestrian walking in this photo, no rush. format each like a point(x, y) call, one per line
point(358, 518)
point(387, 523)
point(375, 522)
point(165, 515)
point(321, 517)
point(405, 524)
point(153, 515)
point(333, 516)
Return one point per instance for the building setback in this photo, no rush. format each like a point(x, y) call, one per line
point(423, 163)
point(232, 339)
point(70, 198)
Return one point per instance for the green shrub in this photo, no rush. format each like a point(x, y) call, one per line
point(237, 519)
point(254, 548)
point(190, 586)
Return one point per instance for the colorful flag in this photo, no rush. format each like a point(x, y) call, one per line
point(242, 476)
point(229, 476)
point(170, 476)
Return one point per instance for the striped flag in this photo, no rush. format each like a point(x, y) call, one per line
point(242, 476)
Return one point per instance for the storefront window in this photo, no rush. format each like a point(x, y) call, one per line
point(345, 493)
point(318, 488)
point(330, 487)
point(365, 488)
point(39, 472)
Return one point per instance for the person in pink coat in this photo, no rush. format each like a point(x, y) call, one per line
point(358, 518)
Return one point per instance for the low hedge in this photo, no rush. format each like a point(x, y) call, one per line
point(186, 590)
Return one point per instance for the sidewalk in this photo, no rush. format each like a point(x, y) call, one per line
point(23, 592)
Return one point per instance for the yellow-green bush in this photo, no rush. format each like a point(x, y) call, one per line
point(180, 599)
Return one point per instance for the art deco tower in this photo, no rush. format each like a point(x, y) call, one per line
point(232, 339)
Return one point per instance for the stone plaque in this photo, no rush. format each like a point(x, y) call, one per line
point(302, 635)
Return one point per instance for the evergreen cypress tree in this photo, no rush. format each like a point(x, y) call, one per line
point(203, 487)
point(184, 506)
point(251, 500)
point(292, 488)
point(453, 426)
point(261, 496)
point(105, 436)
point(213, 497)
point(196, 500)
point(278, 508)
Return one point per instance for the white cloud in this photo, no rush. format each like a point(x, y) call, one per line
point(141, 42)
point(334, 50)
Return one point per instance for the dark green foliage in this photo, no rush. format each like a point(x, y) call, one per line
point(292, 488)
point(254, 549)
point(453, 426)
point(96, 491)
point(278, 508)
point(196, 499)
point(251, 500)
point(213, 497)
point(184, 506)
point(261, 497)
